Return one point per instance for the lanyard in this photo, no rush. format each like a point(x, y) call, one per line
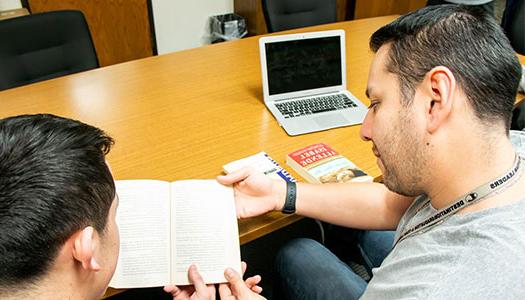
point(464, 201)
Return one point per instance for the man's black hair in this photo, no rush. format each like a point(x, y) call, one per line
point(54, 181)
point(464, 39)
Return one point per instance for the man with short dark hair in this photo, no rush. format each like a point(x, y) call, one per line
point(442, 86)
point(58, 238)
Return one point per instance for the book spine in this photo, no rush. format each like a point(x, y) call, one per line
point(282, 172)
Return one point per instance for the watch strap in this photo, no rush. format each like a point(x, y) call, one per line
point(291, 194)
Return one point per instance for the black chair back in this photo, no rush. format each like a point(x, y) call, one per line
point(514, 24)
point(288, 14)
point(44, 46)
point(518, 117)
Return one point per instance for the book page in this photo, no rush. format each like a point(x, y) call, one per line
point(143, 217)
point(204, 230)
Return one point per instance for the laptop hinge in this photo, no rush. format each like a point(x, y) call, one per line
point(309, 96)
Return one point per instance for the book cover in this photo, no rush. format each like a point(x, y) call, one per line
point(261, 162)
point(319, 163)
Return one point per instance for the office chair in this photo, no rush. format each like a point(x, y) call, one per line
point(518, 117)
point(514, 24)
point(44, 46)
point(288, 14)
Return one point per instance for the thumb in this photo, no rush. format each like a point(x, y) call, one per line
point(237, 285)
point(234, 176)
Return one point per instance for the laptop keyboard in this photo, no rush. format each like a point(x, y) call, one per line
point(297, 108)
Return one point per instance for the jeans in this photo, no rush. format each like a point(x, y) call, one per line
point(308, 270)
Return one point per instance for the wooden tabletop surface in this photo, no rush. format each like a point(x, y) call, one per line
point(185, 114)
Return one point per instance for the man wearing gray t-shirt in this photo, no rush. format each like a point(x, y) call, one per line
point(441, 86)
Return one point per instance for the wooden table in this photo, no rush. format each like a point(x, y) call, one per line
point(185, 114)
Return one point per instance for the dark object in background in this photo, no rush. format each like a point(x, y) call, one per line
point(518, 117)
point(514, 24)
point(43, 46)
point(289, 14)
point(227, 27)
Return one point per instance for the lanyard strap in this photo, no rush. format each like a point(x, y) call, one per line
point(464, 201)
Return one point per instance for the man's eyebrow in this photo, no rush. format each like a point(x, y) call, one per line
point(367, 92)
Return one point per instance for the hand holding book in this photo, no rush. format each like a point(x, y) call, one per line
point(255, 193)
point(236, 286)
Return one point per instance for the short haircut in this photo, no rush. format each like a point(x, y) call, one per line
point(464, 39)
point(54, 181)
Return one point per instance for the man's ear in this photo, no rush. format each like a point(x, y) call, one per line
point(84, 245)
point(441, 90)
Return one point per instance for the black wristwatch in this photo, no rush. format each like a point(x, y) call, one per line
point(291, 194)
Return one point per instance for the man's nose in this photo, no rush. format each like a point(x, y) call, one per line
point(366, 128)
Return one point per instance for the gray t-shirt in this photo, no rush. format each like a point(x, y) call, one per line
point(479, 255)
point(517, 138)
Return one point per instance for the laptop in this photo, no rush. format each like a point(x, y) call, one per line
point(304, 82)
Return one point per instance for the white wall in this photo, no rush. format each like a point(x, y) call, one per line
point(181, 24)
point(10, 4)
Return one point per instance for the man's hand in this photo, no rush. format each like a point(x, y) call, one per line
point(237, 289)
point(201, 291)
point(255, 193)
point(197, 291)
point(251, 282)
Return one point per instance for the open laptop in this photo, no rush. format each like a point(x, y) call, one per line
point(304, 82)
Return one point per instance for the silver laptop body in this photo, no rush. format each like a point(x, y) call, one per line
point(304, 82)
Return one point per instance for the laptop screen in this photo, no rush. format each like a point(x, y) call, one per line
point(303, 64)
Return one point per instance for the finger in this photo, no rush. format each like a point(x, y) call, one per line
point(244, 266)
point(257, 289)
point(240, 209)
point(224, 291)
point(237, 285)
point(169, 288)
point(211, 291)
point(252, 281)
point(175, 292)
point(234, 177)
point(197, 280)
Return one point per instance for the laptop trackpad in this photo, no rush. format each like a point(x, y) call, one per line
point(332, 120)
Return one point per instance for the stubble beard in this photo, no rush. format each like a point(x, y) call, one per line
point(404, 158)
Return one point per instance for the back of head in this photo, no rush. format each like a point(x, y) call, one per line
point(54, 180)
point(467, 41)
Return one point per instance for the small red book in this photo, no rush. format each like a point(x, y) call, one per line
point(319, 163)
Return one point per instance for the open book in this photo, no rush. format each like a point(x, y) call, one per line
point(165, 227)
